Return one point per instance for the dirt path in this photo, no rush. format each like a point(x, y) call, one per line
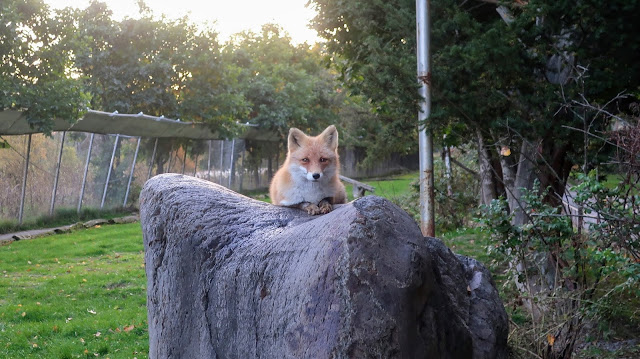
point(35, 233)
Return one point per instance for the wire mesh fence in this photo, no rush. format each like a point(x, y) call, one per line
point(74, 170)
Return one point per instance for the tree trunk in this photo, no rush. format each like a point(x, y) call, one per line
point(487, 184)
point(230, 277)
point(447, 169)
point(525, 175)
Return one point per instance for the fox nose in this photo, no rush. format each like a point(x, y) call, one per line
point(316, 176)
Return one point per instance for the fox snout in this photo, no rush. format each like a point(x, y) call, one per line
point(313, 176)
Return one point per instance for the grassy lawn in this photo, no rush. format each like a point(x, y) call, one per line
point(75, 295)
point(389, 188)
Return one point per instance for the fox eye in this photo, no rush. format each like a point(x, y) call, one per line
point(322, 160)
point(305, 160)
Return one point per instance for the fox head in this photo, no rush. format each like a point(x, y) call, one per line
point(315, 158)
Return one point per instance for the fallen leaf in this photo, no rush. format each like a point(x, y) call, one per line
point(82, 340)
point(505, 151)
point(98, 334)
point(551, 339)
point(38, 303)
point(86, 351)
point(84, 279)
point(91, 311)
point(35, 345)
point(23, 314)
point(129, 328)
point(68, 320)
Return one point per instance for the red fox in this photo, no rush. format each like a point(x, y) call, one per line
point(309, 177)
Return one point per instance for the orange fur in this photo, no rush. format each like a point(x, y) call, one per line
point(309, 177)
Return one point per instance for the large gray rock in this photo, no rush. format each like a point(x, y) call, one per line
point(231, 277)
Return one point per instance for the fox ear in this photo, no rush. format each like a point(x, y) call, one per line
point(296, 138)
point(330, 136)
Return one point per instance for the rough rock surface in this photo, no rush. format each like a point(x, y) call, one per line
point(231, 277)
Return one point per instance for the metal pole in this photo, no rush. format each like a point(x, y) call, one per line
point(233, 148)
point(133, 166)
point(106, 184)
point(221, 160)
point(86, 169)
point(209, 163)
point(153, 158)
point(425, 141)
point(170, 158)
point(184, 159)
point(24, 180)
point(55, 181)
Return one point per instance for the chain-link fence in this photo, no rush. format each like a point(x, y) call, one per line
point(73, 170)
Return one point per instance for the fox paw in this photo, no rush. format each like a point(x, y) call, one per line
point(325, 207)
point(312, 209)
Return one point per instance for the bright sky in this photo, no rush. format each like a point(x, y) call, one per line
point(230, 16)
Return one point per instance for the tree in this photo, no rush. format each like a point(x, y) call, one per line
point(36, 56)
point(284, 86)
point(373, 47)
point(509, 81)
point(513, 75)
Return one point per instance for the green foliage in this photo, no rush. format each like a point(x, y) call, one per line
point(453, 211)
point(284, 85)
point(615, 237)
point(373, 48)
point(593, 272)
point(35, 47)
point(156, 66)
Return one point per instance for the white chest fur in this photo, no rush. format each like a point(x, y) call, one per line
point(303, 190)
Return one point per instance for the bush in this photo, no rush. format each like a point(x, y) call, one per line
point(568, 275)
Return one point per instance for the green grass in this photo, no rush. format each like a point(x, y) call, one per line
point(74, 295)
point(388, 187)
point(470, 242)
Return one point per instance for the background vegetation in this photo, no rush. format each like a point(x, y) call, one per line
point(538, 100)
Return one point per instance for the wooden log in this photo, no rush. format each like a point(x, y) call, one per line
point(359, 188)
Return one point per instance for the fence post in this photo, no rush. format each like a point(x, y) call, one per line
point(55, 181)
point(209, 163)
point(195, 167)
point(170, 159)
point(106, 184)
point(231, 167)
point(133, 166)
point(86, 169)
point(24, 180)
point(221, 160)
point(153, 158)
point(184, 159)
